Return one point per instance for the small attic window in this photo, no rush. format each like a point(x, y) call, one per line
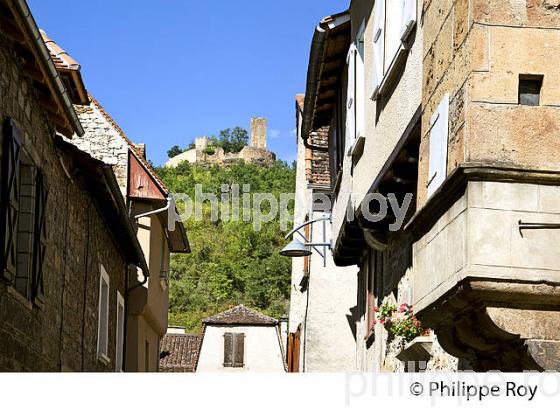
point(530, 89)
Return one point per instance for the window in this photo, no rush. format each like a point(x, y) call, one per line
point(530, 89)
point(234, 349)
point(120, 334)
point(22, 213)
point(394, 21)
point(360, 82)
point(351, 99)
point(103, 318)
point(439, 134)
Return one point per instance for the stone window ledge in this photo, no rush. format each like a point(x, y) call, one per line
point(418, 350)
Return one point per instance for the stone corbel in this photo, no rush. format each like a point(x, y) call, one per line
point(481, 322)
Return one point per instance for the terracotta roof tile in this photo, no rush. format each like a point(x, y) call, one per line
point(240, 315)
point(300, 99)
point(181, 352)
point(61, 59)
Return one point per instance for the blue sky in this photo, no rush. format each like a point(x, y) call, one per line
point(171, 70)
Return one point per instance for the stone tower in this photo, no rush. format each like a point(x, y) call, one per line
point(258, 133)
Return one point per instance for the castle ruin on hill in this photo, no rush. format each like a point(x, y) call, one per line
point(204, 153)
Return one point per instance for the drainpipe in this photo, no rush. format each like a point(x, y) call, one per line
point(41, 48)
point(170, 201)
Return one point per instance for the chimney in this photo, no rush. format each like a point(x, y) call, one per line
point(258, 133)
point(142, 149)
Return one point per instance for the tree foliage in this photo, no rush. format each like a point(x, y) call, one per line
point(174, 151)
point(230, 263)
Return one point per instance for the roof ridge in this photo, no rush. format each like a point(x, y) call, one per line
point(240, 314)
point(132, 146)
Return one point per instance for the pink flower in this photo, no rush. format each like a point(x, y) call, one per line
point(376, 309)
point(374, 322)
point(381, 321)
point(403, 308)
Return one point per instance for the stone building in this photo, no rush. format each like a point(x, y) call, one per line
point(323, 296)
point(204, 153)
point(456, 103)
point(150, 204)
point(67, 243)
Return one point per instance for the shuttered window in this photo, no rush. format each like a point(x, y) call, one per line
point(378, 45)
point(392, 31)
point(394, 20)
point(351, 99)
point(11, 153)
point(23, 232)
point(439, 134)
point(120, 334)
point(360, 82)
point(234, 349)
point(103, 317)
point(408, 18)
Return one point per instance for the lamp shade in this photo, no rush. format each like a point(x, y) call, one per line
point(295, 249)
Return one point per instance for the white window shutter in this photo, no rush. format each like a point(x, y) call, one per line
point(378, 45)
point(408, 17)
point(439, 134)
point(351, 99)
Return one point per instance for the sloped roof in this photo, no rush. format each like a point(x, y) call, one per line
point(18, 23)
point(132, 146)
point(181, 352)
point(240, 315)
point(61, 59)
point(69, 69)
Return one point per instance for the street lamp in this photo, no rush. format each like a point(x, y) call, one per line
point(297, 249)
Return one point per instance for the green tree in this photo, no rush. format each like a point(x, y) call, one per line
point(230, 263)
point(174, 151)
point(233, 140)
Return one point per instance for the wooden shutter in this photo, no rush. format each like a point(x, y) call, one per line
point(40, 237)
point(239, 350)
point(296, 351)
point(228, 349)
point(439, 134)
point(350, 99)
point(9, 204)
point(378, 45)
point(408, 17)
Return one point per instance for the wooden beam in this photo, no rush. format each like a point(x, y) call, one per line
point(12, 30)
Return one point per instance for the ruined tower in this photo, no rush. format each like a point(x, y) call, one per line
point(258, 133)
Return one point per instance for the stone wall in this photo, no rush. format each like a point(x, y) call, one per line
point(475, 51)
point(258, 133)
point(102, 141)
point(61, 334)
point(203, 155)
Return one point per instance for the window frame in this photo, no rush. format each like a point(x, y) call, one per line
point(120, 330)
point(386, 70)
point(103, 320)
point(235, 336)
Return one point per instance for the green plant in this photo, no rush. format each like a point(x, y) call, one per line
point(210, 150)
point(407, 327)
point(400, 321)
point(385, 312)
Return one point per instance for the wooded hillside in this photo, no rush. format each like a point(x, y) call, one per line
point(230, 263)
